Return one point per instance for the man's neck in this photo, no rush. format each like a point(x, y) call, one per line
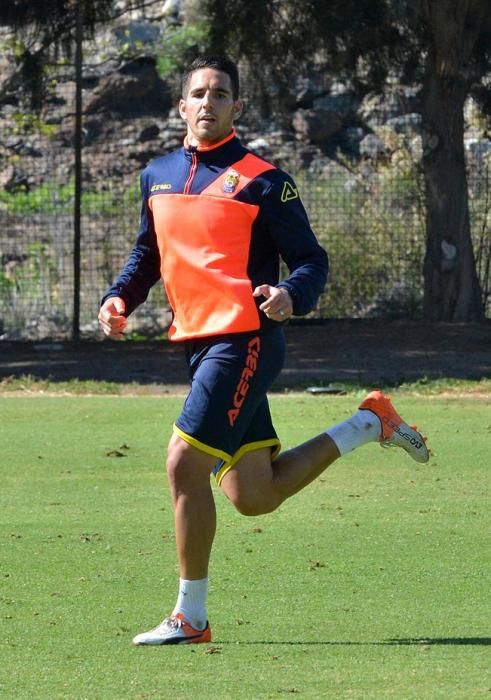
point(192, 142)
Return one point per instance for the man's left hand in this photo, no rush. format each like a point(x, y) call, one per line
point(278, 305)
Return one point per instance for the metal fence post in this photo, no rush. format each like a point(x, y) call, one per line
point(78, 171)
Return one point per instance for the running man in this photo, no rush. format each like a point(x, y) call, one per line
point(215, 222)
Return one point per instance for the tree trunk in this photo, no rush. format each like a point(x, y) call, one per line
point(451, 285)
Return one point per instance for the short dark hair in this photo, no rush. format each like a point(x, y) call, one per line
point(221, 63)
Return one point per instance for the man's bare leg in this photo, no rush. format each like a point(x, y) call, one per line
point(188, 471)
point(256, 485)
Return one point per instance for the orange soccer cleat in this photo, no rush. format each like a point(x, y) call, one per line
point(395, 431)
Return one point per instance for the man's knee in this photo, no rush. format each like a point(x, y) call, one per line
point(252, 504)
point(186, 465)
point(249, 485)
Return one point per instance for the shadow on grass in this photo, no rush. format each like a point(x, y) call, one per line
point(416, 641)
point(450, 641)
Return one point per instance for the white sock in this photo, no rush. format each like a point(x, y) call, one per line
point(364, 426)
point(191, 601)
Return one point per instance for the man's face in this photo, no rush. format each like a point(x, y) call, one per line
point(209, 108)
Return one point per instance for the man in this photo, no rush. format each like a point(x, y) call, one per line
point(215, 221)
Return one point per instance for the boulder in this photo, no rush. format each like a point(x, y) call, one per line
point(135, 88)
point(135, 34)
point(149, 132)
point(13, 179)
point(406, 123)
point(376, 109)
point(372, 147)
point(316, 125)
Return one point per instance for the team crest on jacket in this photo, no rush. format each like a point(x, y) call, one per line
point(231, 180)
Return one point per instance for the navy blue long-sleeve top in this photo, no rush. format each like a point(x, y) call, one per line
point(214, 224)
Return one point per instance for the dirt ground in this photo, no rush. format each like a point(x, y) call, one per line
point(319, 354)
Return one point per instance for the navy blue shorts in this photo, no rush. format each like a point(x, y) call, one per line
point(226, 412)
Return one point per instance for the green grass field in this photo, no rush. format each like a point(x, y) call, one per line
point(374, 582)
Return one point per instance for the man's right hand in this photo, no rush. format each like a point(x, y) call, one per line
point(111, 317)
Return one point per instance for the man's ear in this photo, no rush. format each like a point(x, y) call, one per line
point(182, 109)
point(238, 109)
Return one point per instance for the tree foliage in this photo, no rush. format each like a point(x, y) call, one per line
point(44, 31)
point(364, 40)
point(290, 35)
point(442, 45)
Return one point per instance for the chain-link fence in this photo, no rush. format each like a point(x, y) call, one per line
point(362, 187)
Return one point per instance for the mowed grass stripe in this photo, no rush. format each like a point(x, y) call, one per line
point(373, 582)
